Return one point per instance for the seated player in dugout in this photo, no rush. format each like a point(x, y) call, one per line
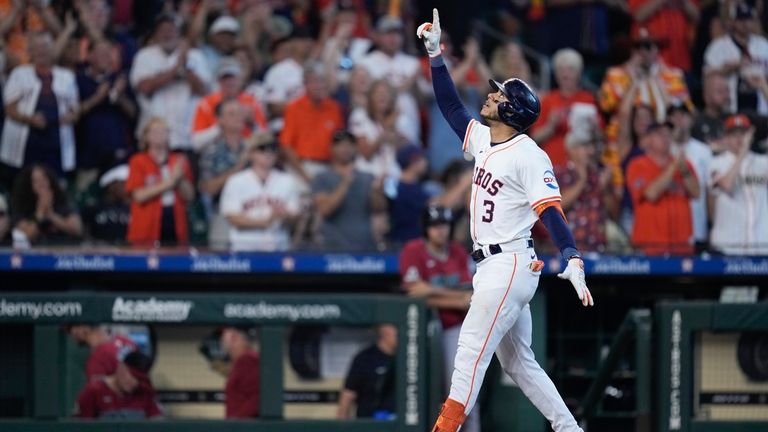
point(370, 381)
point(125, 394)
point(103, 358)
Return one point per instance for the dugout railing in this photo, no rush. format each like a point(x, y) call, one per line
point(272, 313)
point(699, 366)
point(633, 337)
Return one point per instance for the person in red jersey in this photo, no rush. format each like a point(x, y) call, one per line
point(125, 394)
point(242, 389)
point(436, 268)
point(103, 359)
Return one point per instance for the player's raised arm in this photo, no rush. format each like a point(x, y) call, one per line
point(445, 91)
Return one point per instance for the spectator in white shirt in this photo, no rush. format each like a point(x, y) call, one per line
point(743, 56)
point(41, 105)
point(739, 185)
point(169, 77)
point(700, 156)
point(261, 202)
point(222, 41)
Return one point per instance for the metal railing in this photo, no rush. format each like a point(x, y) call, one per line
point(636, 326)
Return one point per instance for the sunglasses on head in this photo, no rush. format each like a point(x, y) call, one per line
point(648, 45)
point(343, 135)
point(266, 148)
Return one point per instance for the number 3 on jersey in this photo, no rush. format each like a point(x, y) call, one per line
point(489, 206)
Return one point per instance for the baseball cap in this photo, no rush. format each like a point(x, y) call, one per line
point(655, 126)
point(678, 105)
point(262, 140)
point(224, 23)
point(743, 11)
point(250, 331)
point(342, 135)
point(389, 23)
point(298, 32)
point(164, 18)
point(229, 67)
point(436, 215)
point(407, 154)
point(641, 36)
point(345, 5)
point(137, 362)
point(118, 173)
point(737, 121)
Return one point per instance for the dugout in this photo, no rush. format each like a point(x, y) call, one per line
point(570, 342)
point(52, 374)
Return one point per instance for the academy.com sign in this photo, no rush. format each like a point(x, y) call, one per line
point(151, 309)
point(291, 312)
point(37, 310)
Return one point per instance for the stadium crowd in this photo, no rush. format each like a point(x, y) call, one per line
point(310, 124)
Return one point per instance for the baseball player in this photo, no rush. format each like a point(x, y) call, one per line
point(513, 186)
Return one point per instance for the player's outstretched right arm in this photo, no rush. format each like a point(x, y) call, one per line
point(445, 91)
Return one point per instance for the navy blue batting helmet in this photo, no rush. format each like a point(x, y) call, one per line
point(522, 107)
point(435, 215)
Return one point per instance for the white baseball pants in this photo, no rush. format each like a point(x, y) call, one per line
point(499, 320)
point(450, 346)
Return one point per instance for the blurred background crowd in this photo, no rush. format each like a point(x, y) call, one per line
point(272, 125)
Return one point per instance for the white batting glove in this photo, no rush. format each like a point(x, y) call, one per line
point(574, 272)
point(430, 34)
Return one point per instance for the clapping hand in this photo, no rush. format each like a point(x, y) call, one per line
point(178, 172)
point(44, 205)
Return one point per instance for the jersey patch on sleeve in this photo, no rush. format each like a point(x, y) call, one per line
point(412, 275)
point(549, 180)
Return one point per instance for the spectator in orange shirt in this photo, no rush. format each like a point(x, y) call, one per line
point(552, 126)
point(662, 186)
point(310, 122)
point(160, 185)
point(673, 22)
point(205, 128)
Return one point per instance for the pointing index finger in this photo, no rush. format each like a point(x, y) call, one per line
point(435, 17)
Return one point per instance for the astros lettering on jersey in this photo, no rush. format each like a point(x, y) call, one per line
point(510, 180)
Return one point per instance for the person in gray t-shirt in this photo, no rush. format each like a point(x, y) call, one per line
point(346, 199)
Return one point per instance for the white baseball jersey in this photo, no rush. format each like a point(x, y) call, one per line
point(723, 50)
point(740, 222)
point(245, 193)
point(510, 180)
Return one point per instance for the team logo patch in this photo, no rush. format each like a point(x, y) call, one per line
point(549, 180)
